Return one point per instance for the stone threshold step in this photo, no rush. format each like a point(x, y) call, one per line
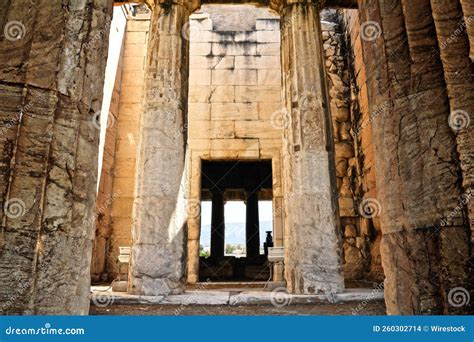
point(277, 298)
point(233, 285)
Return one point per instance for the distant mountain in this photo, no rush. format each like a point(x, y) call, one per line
point(234, 233)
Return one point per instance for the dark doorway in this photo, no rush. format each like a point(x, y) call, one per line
point(238, 181)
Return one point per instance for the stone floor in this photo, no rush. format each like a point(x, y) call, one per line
point(372, 308)
point(237, 302)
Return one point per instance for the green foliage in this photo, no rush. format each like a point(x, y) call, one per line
point(229, 249)
point(203, 253)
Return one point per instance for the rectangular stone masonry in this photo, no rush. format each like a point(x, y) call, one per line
point(234, 49)
point(199, 144)
point(222, 94)
point(201, 36)
point(268, 36)
point(234, 111)
point(257, 94)
point(269, 77)
point(133, 63)
point(211, 62)
point(133, 78)
point(267, 25)
point(211, 129)
point(245, 37)
point(134, 50)
point(200, 49)
point(138, 25)
point(129, 112)
point(257, 129)
point(124, 167)
point(131, 94)
point(135, 38)
point(234, 148)
point(267, 110)
point(268, 49)
point(199, 94)
point(199, 111)
point(200, 77)
point(257, 62)
point(234, 77)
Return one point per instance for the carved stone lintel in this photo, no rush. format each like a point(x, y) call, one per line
point(279, 5)
point(190, 5)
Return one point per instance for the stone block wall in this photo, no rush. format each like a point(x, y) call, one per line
point(355, 169)
point(234, 108)
point(235, 112)
point(368, 234)
point(234, 87)
point(116, 190)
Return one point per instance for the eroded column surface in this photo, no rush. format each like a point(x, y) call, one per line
point(459, 77)
point(52, 63)
point(312, 261)
point(157, 264)
point(425, 243)
point(468, 9)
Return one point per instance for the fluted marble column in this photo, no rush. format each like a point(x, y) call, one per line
point(52, 66)
point(159, 215)
point(425, 233)
point(312, 260)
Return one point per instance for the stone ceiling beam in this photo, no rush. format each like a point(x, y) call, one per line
point(272, 3)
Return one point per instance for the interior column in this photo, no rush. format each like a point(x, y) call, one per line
point(159, 215)
point(312, 253)
point(217, 225)
point(252, 226)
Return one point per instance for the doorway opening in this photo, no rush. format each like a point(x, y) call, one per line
point(236, 220)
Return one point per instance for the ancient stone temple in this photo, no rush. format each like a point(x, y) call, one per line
point(340, 128)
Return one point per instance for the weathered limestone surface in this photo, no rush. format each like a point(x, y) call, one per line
point(312, 260)
point(157, 265)
point(468, 10)
point(418, 185)
point(457, 66)
point(52, 61)
point(353, 168)
point(106, 195)
point(235, 108)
